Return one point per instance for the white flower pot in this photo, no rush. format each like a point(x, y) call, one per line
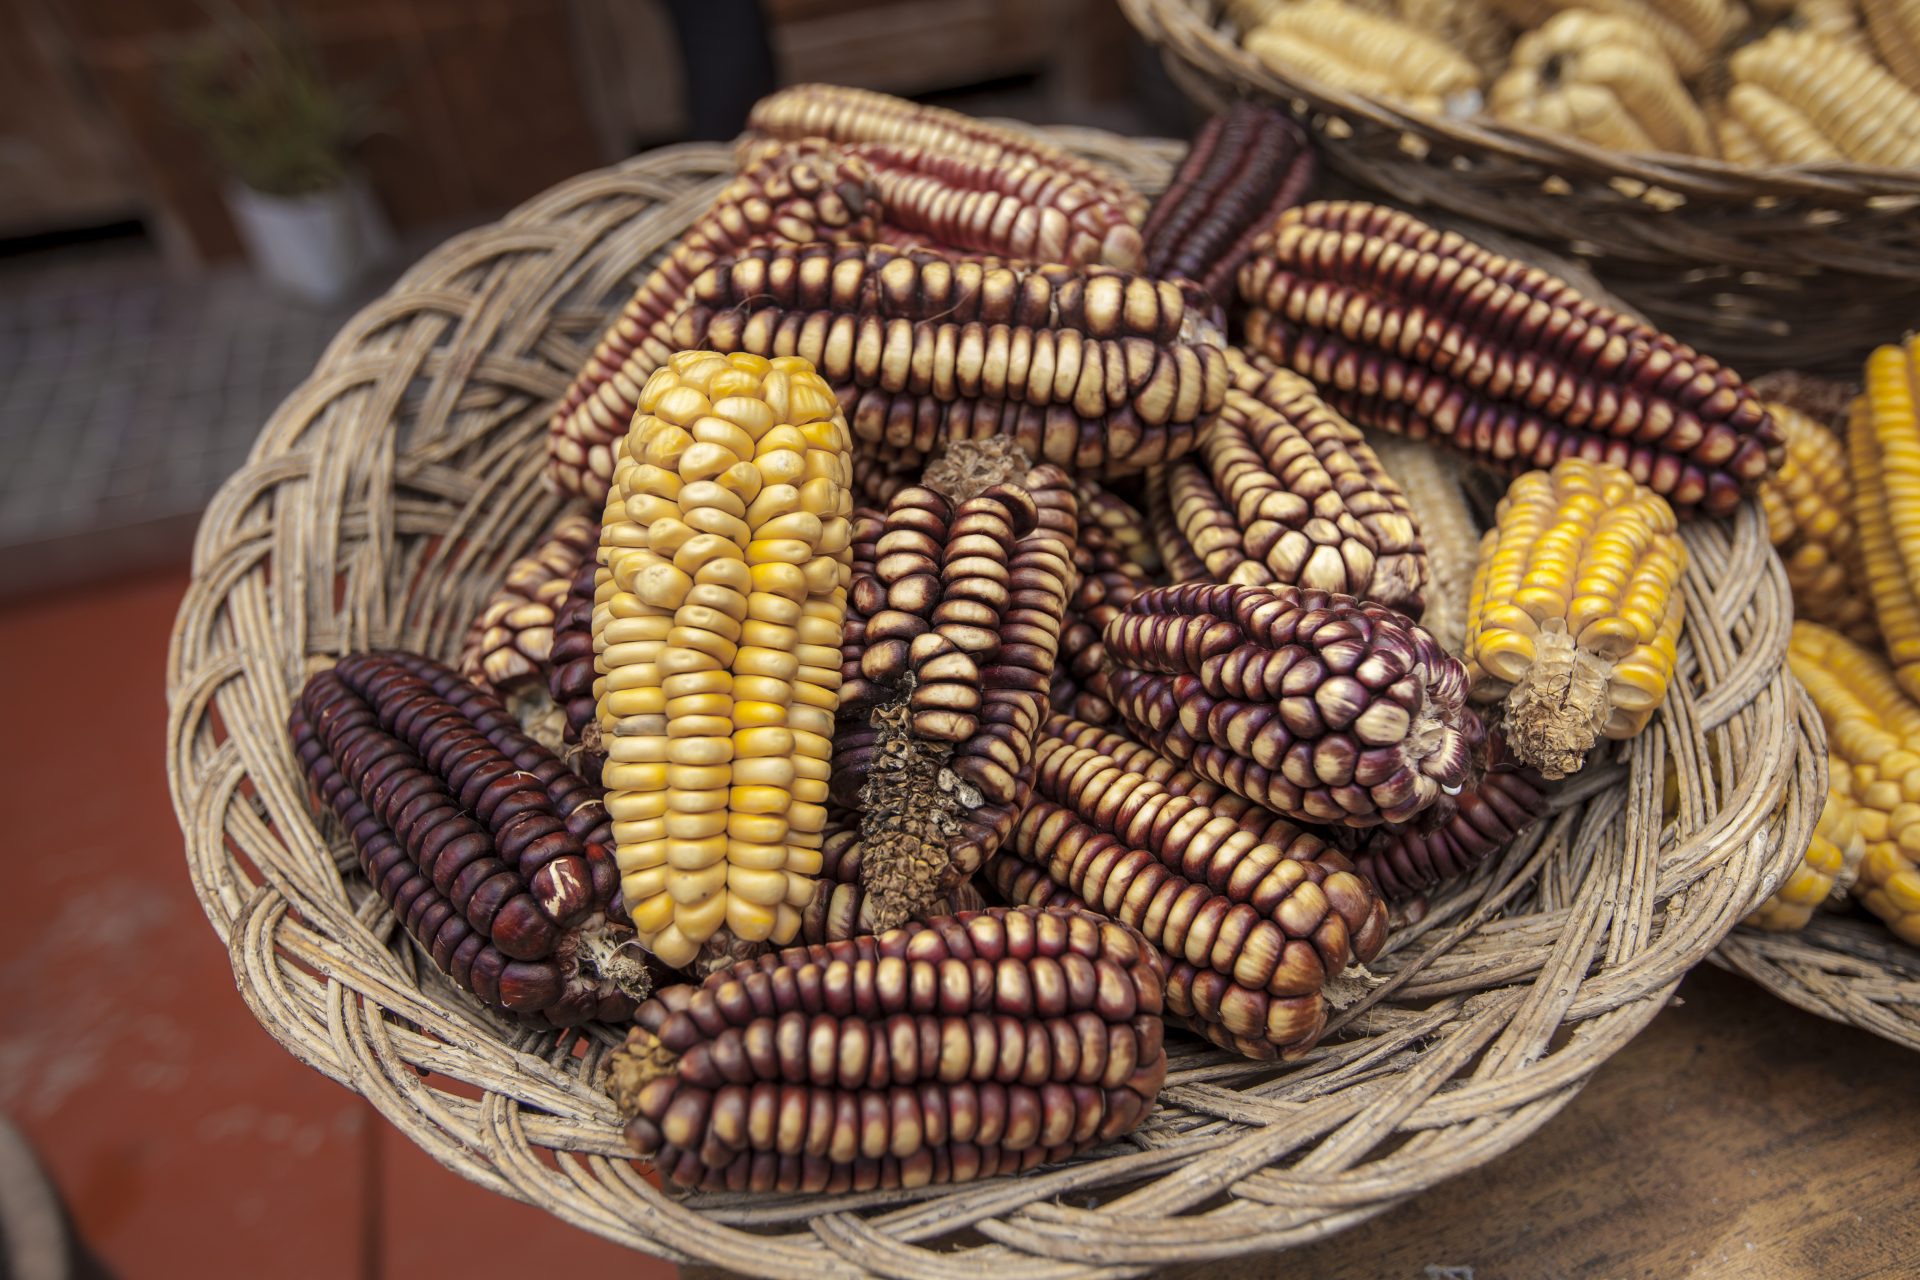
point(314, 248)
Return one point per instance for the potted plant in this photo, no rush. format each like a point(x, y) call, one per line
point(284, 139)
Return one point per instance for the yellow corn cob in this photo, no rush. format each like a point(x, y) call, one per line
point(1604, 78)
point(1690, 31)
point(717, 626)
point(1431, 480)
point(1874, 729)
point(1894, 26)
point(1769, 131)
point(1471, 26)
point(1351, 49)
point(1826, 870)
point(1576, 610)
point(1835, 19)
point(1854, 103)
point(1884, 451)
point(1809, 506)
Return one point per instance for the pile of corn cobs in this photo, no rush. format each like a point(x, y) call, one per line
point(873, 624)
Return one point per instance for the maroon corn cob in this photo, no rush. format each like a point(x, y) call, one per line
point(1320, 707)
point(1460, 832)
point(841, 908)
point(1182, 562)
point(1423, 333)
point(1254, 914)
point(571, 675)
point(804, 191)
point(962, 1048)
point(496, 858)
point(1109, 579)
point(1249, 164)
point(953, 625)
point(510, 640)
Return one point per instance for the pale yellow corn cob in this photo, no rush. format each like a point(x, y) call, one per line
point(717, 627)
point(1690, 31)
point(1431, 479)
point(1603, 78)
point(1853, 101)
point(1473, 27)
point(1363, 52)
point(1894, 26)
point(1780, 133)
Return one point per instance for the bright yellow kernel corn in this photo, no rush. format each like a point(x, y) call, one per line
point(1809, 506)
point(726, 558)
point(1826, 871)
point(1873, 734)
point(1575, 610)
point(1884, 447)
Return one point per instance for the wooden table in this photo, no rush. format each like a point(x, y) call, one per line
point(1736, 1137)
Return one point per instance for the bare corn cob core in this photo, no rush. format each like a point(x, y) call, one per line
point(860, 116)
point(1801, 94)
point(1248, 164)
point(1894, 26)
point(966, 1047)
point(1347, 48)
point(1254, 914)
point(494, 857)
point(1809, 505)
point(1826, 871)
point(717, 625)
point(510, 643)
point(1690, 32)
point(958, 601)
point(1431, 481)
point(1320, 707)
point(794, 193)
point(1091, 369)
point(1882, 432)
point(1284, 490)
point(1603, 78)
point(1577, 609)
point(1873, 729)
point(1424, 334)
point(842, 908)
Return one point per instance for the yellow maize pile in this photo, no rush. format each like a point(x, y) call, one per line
point(1826, 870)
point(1348, 48)
point(1883, 446)
point(1576, 610)
point(1873, 739)
point(717, 625)
point(1602, 78)
point(1803, 97)
point(1894, 26)
point(1690, 31)
point(1809, 506)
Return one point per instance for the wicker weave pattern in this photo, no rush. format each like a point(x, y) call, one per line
point(389, 493)
point(1847, 969)
point(1732, 268)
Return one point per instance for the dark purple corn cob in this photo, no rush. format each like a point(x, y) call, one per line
point(495, 857)
point(1254, 914)
point(571, 675)
point(1320, 707)
point(961, 1048)
point(1250, 164)
point(1423, 333)
point(841, 907)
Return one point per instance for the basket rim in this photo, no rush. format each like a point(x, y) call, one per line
point(1844, 968)
point(542, 1133)
point(1183, 27)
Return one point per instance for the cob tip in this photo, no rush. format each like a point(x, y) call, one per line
point(1558, 709)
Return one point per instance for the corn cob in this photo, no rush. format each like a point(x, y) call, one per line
point(875, 481)
point(1690, 32)
point(1254, 914)
point(1835, 90)
point(1894, 26)
point(841, 907)
point(1320, 707)
point(1757, 129)
point(1182, 563)
point(966, 1047)
point(1092, 369)
point(958, 600)
point(1123, 522)
point(1423, 333)
point(491, 854)
point(1809, 506)
point(1432, 482)
point(1248, 164)
point(1837, 20)
point(1881, 431)
point(1474, 27)
point(1602, 78)
point(572, 681)
point(1576, 613)
point(511, 641)
point(1282, 489)
point(1826, 871)
point(1501, 799)
point(859, 116)
point(795, 193)
point(1873, 730)
point(1109, 579)
point(717, 624)
point(1347, 48)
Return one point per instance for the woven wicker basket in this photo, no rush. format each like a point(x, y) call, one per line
point(1845, 968)
point(1808, 265)
point(386, 497)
